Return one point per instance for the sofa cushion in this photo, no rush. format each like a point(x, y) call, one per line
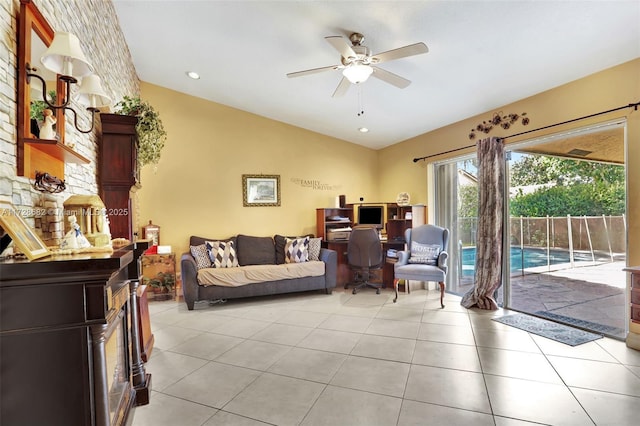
point(222, 254)
point(281, 241)
point(252, 274)
point(296, 250)
point(255, 250)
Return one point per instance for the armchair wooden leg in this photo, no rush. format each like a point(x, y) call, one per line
point(441, 294)
point(395, 288)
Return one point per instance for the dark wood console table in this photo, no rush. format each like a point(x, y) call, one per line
point(69, 347)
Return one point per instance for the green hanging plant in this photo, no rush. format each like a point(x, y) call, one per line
point(150, 131)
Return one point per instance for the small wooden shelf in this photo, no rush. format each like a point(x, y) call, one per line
point(56, 150)
point(46, 155)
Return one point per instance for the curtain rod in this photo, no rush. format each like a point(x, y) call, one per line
point(634, 106)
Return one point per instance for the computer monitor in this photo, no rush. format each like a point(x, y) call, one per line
point(371, 215)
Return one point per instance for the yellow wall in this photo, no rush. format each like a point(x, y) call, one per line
point(599, 92)
point(197, 186)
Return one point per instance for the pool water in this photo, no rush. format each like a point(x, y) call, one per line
point(529, 257)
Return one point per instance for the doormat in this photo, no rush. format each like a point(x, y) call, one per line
point(583, 324)
point(549, 329)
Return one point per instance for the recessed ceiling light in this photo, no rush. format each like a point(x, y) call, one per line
point(194, 75)
point(363, 130)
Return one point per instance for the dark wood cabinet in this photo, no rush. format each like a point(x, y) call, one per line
point(118, 171)
point(69, 352)
point(633, 337)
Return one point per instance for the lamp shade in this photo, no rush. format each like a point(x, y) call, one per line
point(65, 56)
point(91, 93)
point(357, 73)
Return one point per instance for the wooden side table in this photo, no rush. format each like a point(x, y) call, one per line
point(159, 268)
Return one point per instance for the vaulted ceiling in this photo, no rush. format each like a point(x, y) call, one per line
point(482, 55)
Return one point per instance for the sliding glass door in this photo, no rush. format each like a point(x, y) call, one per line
point(567, 229)
point(456, 201)
point(565, 245)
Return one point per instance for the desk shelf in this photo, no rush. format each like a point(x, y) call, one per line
point(324, 223)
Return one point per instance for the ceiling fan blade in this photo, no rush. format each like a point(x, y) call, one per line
point(313, 71)
point(341, 45)
point(342, 88)
point(391, 78)
point(401, 52)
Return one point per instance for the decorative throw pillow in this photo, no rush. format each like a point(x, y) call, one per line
point(201, 256)
point(296, 250)
point(280, 241)
point(222, 254)
point(314, 248)
point(424, 253)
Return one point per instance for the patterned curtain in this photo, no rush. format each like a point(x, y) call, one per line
point(488, 271)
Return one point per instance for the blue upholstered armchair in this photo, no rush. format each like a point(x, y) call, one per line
point(425, 258)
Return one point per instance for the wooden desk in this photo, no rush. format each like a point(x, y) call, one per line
point(344, 274)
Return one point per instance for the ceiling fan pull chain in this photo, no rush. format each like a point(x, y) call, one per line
point(360, 103)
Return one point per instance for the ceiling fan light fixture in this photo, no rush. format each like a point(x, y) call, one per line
point(357, 73)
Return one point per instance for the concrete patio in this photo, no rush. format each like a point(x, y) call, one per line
point(592, 293)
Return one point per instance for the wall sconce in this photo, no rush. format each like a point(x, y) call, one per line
point(65, 58)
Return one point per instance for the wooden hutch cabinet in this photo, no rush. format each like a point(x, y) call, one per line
point(69, 352)
point(118, 172)
point(329, 220)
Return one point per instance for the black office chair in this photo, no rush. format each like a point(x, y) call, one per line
point(364, 255)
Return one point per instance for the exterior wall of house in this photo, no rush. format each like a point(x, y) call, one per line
point(96, 25)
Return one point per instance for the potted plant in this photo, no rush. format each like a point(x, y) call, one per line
point(162, 283)
point(150, 131)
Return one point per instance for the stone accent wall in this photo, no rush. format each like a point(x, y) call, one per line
point(96, 24)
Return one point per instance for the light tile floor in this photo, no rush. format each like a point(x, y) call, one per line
point(344, 359)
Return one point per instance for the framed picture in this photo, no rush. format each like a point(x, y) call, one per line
point(261, 190)
point(22, 235)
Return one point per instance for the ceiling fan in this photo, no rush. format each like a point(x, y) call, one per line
point(357, 63)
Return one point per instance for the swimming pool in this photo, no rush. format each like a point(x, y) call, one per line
point(528, 257)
